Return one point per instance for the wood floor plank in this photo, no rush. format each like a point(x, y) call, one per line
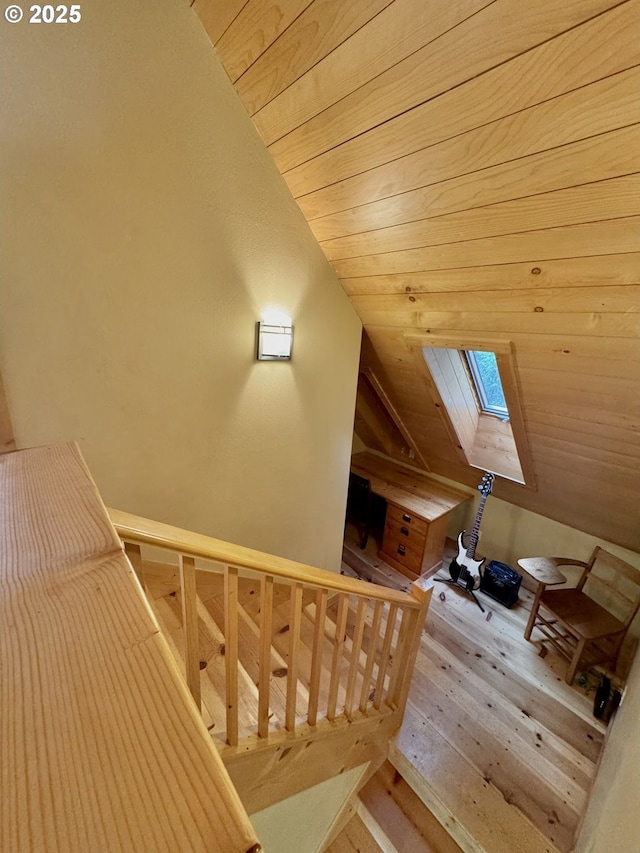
point(402, 816)
point(355, 838)
point(484, 819)
point(558, 762)
point(580, 739)
point(494, 742)
point(502, 757)
point(248, 636)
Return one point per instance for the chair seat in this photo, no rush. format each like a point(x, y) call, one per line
point(581, 613)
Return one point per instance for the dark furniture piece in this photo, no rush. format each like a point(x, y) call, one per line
point(360, 506)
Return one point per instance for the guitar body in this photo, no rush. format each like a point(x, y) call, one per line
point(463, 568)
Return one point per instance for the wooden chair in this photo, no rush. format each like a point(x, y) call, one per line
point(579, 626)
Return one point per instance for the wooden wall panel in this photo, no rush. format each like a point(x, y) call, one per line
point(612, 199)
point(217, 16)
point(420, 75)
point(390, 40)
point(592, 271)
point(592, 238)
point(255, 29)
point(616, 299)
point(586, 161)
point(473, 170)
point(597, 49)
point(318, 31)
point(602, 107)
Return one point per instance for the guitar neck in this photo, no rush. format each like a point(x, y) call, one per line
point(475, 531)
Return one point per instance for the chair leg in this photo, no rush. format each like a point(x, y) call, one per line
point(534, 611)
point(616, 652)
point(575, 660)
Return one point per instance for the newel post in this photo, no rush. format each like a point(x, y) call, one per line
point(421, 590)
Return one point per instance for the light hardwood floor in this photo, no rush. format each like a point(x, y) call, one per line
point(494, 742)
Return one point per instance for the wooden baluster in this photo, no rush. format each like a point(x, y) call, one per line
point(188, 596)
point(338, 646)
point(134, 554)
point(295, 620)
point(398, 666)
point(371, 657)
point(421, 590)
point(266, 630)
point(231, 651)
point(316, 658)
point(356, 648)
point(384, 655)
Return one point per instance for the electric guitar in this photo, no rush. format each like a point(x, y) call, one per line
point(465, 569)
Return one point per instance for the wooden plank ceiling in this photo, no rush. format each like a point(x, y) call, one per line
point(471, 168)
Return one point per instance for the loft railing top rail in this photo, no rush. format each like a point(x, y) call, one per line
point(134, 528)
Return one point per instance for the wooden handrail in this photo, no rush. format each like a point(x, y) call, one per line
point(102, 747)
point(134, 528)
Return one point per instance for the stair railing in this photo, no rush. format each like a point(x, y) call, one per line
point(373, 644)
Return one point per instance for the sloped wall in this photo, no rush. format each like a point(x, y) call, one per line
point(145, 230)
point(612, 821)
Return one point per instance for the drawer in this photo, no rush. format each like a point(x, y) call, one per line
point(401, 520)
point(406, 550)
point(397, 554)
point(402, 554)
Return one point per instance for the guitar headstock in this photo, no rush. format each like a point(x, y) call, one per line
point(486, 484)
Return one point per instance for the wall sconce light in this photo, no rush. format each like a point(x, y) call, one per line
point(274, 342)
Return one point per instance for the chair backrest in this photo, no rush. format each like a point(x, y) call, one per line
point(613, 583)
point(359, 497)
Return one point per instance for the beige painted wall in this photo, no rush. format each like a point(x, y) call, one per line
point(301, 823)
point(145, 229)
point(612, 821)
point(508, 532)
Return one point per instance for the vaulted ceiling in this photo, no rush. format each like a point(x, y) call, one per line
point(471, 169)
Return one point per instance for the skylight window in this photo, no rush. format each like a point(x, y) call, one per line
point(474, 388)
point(486, 379)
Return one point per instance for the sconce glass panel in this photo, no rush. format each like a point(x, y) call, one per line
point(274, 342)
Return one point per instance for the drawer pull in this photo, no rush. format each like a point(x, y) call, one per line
point(406, 518)
point(401, 550)
point(404, 531)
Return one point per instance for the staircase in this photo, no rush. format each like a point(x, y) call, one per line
point(299, 673)
point(390, 818)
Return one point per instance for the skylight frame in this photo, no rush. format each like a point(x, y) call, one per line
point(504, 351)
